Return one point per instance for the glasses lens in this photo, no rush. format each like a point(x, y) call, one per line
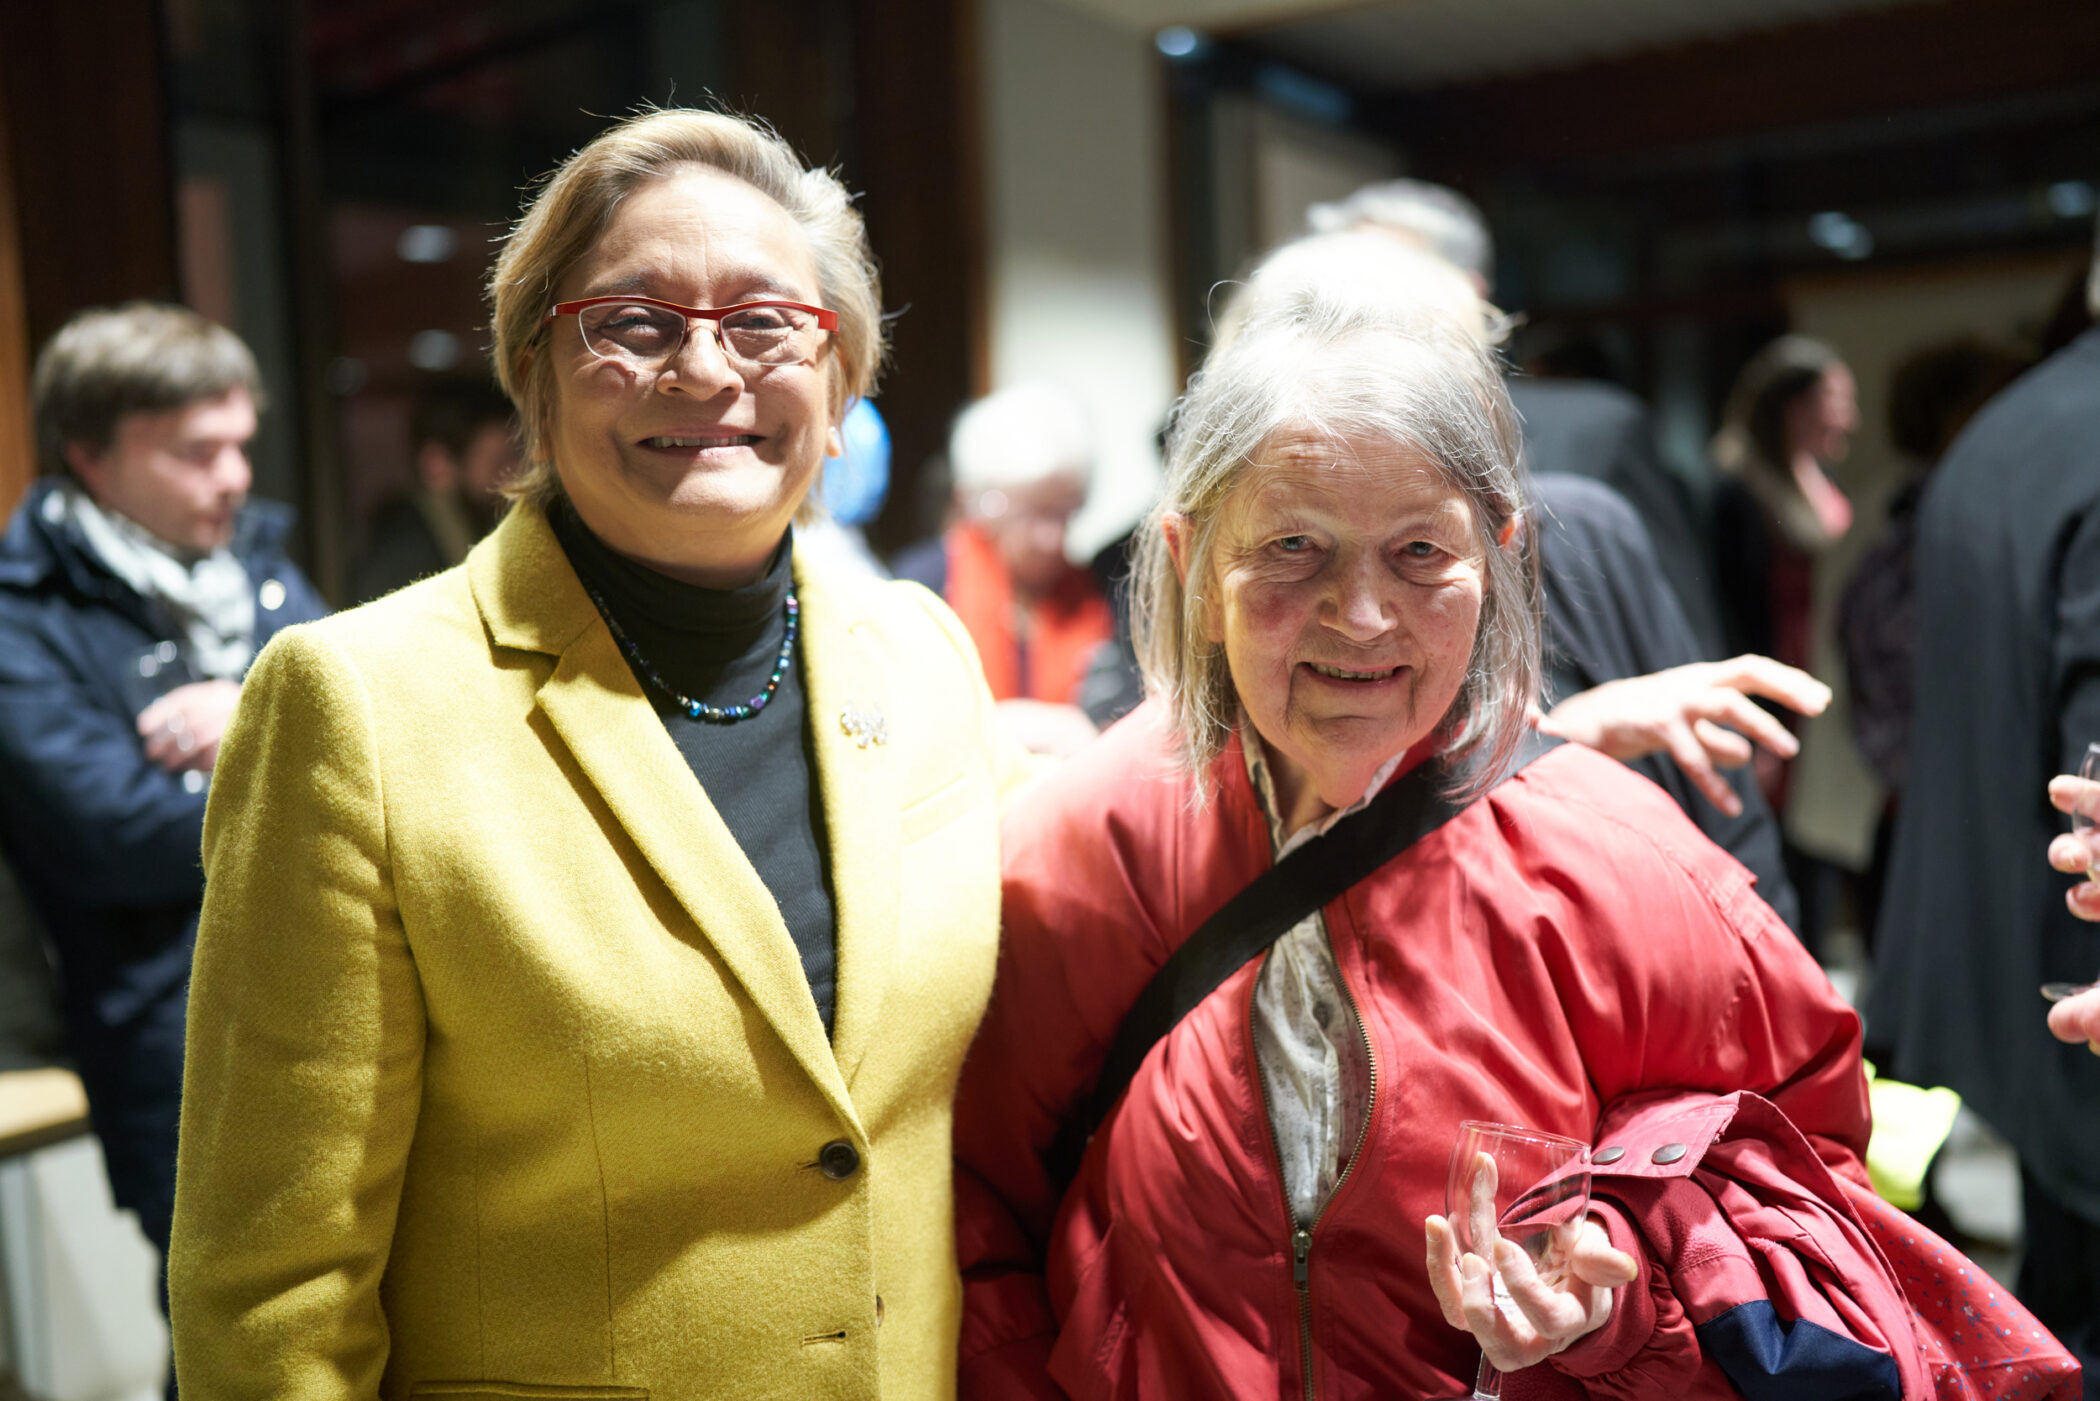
point(641, 333)
point(770, 335)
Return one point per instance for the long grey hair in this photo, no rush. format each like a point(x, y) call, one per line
point(1345, 368)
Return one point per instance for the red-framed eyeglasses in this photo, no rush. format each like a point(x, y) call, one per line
point(648, 333)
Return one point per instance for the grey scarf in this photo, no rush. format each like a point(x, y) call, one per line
point(212, 599)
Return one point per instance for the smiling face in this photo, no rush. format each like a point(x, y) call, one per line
point(1346, 586)
point(697, 468)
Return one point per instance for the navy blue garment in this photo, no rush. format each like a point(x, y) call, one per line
point(1770, 1359)
point(1610, 614)
point(1588, 428)
point(106, 843)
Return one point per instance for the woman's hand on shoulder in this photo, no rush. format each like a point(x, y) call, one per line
point(1551, 1316)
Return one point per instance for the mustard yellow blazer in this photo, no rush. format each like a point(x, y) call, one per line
point(504, 1079)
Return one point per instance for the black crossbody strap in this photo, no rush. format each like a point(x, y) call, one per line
point(1408, 809)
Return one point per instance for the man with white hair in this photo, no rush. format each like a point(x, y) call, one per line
point(1023, 459)
point(2008, 694)
point(1434, 218)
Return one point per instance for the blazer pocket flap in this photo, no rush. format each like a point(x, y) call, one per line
point(942, 806)
point(526, 1391)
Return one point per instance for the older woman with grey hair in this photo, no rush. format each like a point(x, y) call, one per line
point(1338, 613)
point(595, 930)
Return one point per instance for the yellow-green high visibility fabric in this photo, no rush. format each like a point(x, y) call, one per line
point(1910, 1124)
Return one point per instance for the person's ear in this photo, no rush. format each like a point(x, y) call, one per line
point(834, 442)
point(1180, 532)
point(91, 467)
point(1512, 533)
point(1175, 526)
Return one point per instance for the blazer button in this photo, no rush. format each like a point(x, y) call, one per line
point(1605, 1157)
point(838, 1160)
point(1667, 1154)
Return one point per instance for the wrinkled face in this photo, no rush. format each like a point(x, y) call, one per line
point(1027, 523)
point(1824, 419)
point(1346, 590)
point(695, 468)
point(182, 474)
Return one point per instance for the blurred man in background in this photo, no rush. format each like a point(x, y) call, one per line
point(466, 443)
point(2008, 695)
point(1627, 672)
point(137, 583)
point(1574, 421)
point(1023, 460)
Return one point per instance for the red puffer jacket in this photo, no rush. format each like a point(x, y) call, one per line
point(1567, 943)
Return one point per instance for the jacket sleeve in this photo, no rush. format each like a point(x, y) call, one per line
point(1721, 999)
point(1761, 1279)
point(93, 814)
point(1612, 611)
point(1076, 948)
point(306, 1035)
point(2077, 644)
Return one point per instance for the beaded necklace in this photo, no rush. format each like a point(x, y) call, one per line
point(700, 710)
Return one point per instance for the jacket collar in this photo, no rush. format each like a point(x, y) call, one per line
point(530, 600)
point(523, 584)
point(41, 543)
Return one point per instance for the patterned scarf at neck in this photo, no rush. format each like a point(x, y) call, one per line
point(212, 599)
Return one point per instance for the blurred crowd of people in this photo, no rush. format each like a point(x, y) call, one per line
point(580, 979)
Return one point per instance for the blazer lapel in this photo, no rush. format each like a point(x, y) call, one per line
point(850, 699)
point(530, 598)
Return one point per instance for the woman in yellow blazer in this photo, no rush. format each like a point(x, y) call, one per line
point(559, 1030)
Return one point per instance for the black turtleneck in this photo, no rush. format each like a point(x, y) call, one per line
point(718, 646)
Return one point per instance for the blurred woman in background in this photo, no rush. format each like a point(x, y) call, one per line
point(1776, 511)
point(1790, 416)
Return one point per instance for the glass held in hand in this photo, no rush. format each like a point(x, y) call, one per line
point(1522, 1185)
point(2085, 817)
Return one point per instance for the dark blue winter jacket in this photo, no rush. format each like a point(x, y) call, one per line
point(104, 841)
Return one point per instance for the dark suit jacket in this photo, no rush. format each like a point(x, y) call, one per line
point(2008, 693)
point(403, 548)
point(1600, 431)
point(1611, 614)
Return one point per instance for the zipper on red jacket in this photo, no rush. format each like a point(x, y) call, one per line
point(1302, 1236)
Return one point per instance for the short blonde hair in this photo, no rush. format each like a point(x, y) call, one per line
point(576, 204)
point(1327, 362)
